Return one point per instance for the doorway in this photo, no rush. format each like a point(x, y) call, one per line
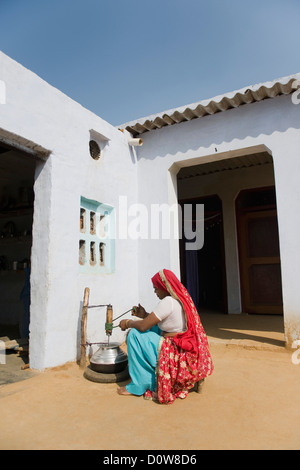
point(203, 271)
point(259, 256)
point(17, 172)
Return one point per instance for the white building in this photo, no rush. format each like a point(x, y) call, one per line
point(237, 154)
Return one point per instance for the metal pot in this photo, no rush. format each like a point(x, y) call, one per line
point(109, 359)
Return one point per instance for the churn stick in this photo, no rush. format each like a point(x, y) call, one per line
point(109, 320)
point(83, 327)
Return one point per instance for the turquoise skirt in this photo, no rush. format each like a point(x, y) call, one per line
point(142, 349)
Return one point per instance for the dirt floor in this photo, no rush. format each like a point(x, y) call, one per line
point(251, 401)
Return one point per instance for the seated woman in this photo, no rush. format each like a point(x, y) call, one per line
point(167, 348)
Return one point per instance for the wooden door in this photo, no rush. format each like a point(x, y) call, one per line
point(260, 262)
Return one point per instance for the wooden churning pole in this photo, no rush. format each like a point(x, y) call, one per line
point(82, 362)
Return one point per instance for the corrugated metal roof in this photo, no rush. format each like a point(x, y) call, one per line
point(247, 95)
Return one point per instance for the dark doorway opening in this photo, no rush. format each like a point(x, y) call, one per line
point(203, 270)
point(17, 172)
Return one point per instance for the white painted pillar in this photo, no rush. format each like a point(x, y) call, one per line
point(174, 240)
point(39, 281)
point(287, 170)
point(231, 253)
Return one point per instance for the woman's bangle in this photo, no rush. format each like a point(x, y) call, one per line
point(126, 324)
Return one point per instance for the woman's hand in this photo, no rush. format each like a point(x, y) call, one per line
point(139, 311)
point(136, 311)
point(141, 325)
point(123, 325)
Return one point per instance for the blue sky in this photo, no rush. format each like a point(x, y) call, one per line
point(126, 59)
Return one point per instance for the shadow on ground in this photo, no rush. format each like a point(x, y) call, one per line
point(260, 331)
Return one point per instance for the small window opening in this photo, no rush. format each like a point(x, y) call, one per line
point(101, 253)
point(102, 226)
point(95, 151)
point(82, 220)
point(92, 254)
point(96, 239)
point(93, 223)
point(81, 252)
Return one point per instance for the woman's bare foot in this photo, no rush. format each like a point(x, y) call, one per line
point(151, 395)
point(123, 391)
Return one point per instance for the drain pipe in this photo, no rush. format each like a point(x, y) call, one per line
point(135, 142)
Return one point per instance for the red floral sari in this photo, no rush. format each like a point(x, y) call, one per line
point(184, 359)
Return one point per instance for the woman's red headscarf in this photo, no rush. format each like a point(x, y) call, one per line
point(185, 358)
point(167, 281)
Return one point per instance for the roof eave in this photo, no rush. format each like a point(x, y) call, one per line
point(220, 103)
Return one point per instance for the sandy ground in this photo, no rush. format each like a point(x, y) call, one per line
point(251, 401)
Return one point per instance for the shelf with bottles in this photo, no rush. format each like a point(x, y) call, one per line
point(16, 211)
point(25, 238)
point(16, 200)
point(8, 266)
point(16, 229)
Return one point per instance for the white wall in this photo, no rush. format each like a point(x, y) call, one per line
point(272, 123)
point(43, 115)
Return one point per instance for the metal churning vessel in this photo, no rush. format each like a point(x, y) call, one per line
point(109, 358)
point(109, 363)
